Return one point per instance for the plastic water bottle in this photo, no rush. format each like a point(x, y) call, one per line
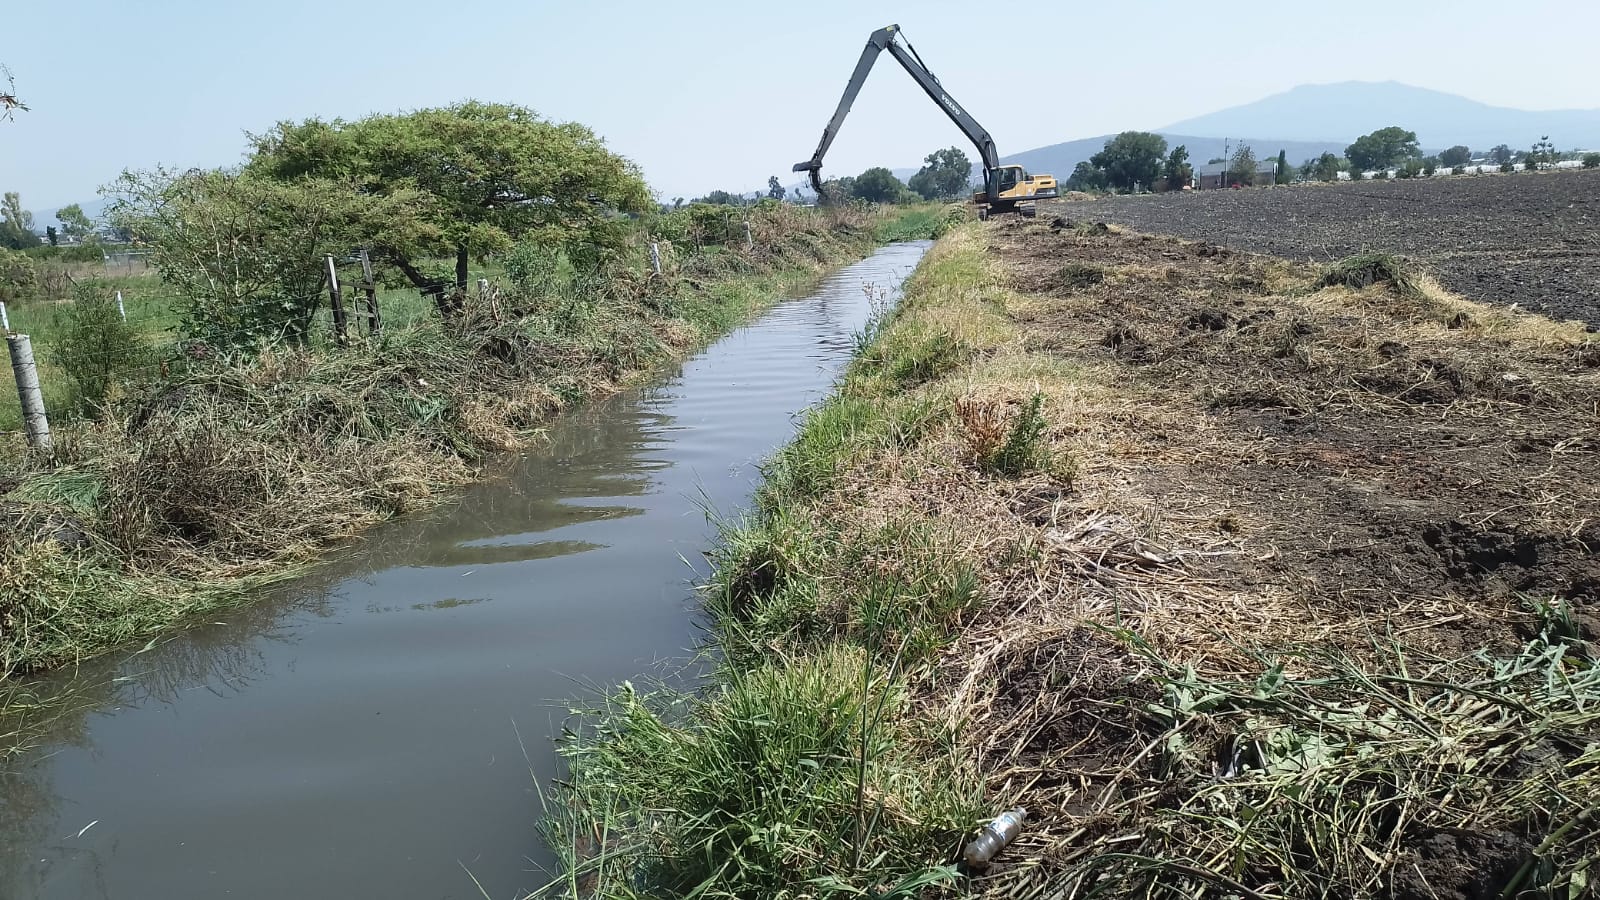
point(994, 837)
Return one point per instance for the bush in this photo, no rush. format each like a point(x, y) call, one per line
point(1458, 170)
point(95, 347)
point(19, 277)
point(1591, 160)
point(1410, 169)
point(1508, 167)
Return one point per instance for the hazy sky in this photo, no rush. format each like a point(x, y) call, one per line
point(723, 94)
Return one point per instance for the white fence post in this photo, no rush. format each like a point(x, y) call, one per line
point(34, 421)
point(655, 257)
point(121, 310)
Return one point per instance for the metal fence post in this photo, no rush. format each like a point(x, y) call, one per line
point(34, 421)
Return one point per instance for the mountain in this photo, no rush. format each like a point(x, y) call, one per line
point(1343, 111)
point(1060, 159)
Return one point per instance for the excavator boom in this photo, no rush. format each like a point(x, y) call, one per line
point(881, 40)
point(1003, 185)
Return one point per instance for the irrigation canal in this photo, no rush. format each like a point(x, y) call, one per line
point(360, 732)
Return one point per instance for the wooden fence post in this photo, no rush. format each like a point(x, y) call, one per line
point(338, 304)
point(34, 420)
point(749, 242)
point(370, 286)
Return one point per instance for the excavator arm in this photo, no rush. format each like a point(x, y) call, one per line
point(881, 40)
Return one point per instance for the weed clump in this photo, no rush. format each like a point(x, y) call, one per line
point(1006, 438)
point(1367, 269)
point(800, 771)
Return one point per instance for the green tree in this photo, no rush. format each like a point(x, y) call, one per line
point(1326, 168)
point(877, 185)
point(1591, 160)
point(246, 254)
point(946, 174)
point(1458, 155)
point(1177, 170)
point(1242, 168)
point(51, 236)
point(1130, 158)
point(74, 223)
point(1086, 177)
point(1282, 174)
point(1501, 154)
point(1543, 153)
point(775, 188)
point(721, 198)
point(1383, 148)
point(491, 175)
point(1430, 165)
point(16, 224)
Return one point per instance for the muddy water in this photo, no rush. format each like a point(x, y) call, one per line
point(361, 731)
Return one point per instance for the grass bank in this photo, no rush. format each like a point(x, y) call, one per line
point(213, 476)
point(1043, 549)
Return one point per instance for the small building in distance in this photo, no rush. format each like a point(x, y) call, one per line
point(1211, 176)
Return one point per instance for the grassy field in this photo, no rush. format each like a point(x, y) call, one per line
point(1246, 578)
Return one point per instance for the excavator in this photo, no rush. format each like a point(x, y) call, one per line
point(1006, 189)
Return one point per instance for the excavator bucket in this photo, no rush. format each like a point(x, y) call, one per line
point(815, 172)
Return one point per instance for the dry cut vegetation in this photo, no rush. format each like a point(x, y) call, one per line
point(1288, 590)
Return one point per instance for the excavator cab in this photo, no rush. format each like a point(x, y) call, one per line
point(1012, 189)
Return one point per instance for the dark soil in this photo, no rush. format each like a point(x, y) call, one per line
point(1528, 239)
point(1371, 458)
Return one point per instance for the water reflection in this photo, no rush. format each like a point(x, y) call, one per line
point(355, 730)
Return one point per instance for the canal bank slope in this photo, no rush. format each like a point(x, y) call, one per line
point(1244, 578)
point(223, 475)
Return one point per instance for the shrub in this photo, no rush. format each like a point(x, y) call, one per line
point(1591, 160)
point(1004, 443)
point(1458, 170)
point(1508, 167)
point(19, 277)
point(1410, 169)
point(95, 347)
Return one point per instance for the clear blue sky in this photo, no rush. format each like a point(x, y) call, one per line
point(723, 94)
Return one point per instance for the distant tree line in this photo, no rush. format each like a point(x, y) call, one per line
point(1133, 160)
point(945, 175)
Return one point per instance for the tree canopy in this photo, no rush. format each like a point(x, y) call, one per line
point(1326, 168)
point(1242, 168)
point(16, 224)
point(1383, 148)
point(1130, 158)
point(1458, 155)
point(946, 174)
point(775, 188)
point(877, 185)
point(246, 254)
point(1178, 172)
point(484, 175)
point(74, 223)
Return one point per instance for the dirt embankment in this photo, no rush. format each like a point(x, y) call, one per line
point(1243, 581)
point(1532, 239)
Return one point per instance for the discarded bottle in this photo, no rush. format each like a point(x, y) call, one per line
point(994, 837)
